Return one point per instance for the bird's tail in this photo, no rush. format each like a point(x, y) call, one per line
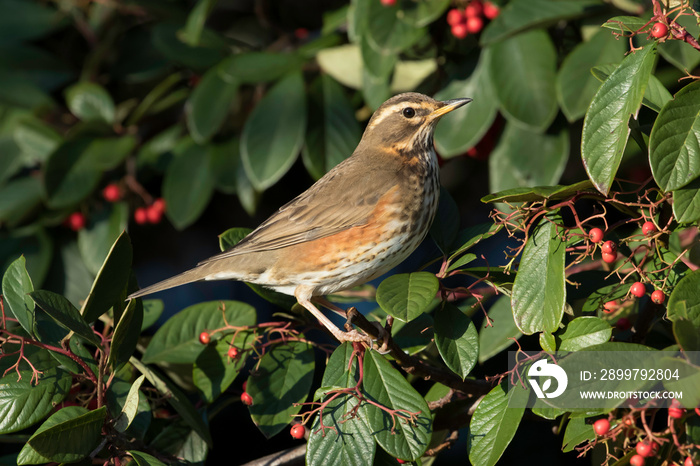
point(190, 276)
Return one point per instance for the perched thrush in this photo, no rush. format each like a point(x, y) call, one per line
point(364, 217)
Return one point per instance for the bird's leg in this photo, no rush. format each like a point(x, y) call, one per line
point(303, 296)
point(383, 335)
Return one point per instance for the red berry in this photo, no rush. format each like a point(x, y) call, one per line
point(646, 449)
point(301, 33)
point(388, 2)
point(697, 411)
point(474, 9)
point(159, 204)
point(601, 427)
point(459, 31)
point(623, 323)
point(638, 289)
point(455, 16)
point(675, 413)
point(659, 30)
point(658, 296)
point(610, 306)
point(400, 461)
point(297, 431)
point(474, 24)
point(76, 221)
point(233, 353)
point(609, 247)
point(648, 228)
point(637, 460)
point(609, 258)
point(141, 215)
point(688, 461)
point(153, 214)
point(491, 10)
point(246, 399)
point(112, 193)
point(204, 338)
point(595, 235)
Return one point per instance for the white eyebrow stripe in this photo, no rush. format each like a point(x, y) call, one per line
point(395, 108)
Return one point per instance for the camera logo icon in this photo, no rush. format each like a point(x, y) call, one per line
point(543, 371)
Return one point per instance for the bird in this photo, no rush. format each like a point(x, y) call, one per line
point(357, 222)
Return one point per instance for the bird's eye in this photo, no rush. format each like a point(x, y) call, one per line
point(409, 112)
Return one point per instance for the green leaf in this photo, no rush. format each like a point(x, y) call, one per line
point(212, 48)
point(684, 301)
point(525, 158)
point(130, 408)
point(152, 310)
point(177, 399)
point(463, 129)
point(583, 332)
point(625, 24)
point(37, 248)
point(103, 229)
point(547, 342)
point(605, 126)
point(655, 95)
point(192, 32)
point(72, 439)
point(22, 402)
point(144, 459)
point(679, 53)
point(214, 371)
point(126, 333)
point(19, 199)
point(63, 312)
point(274, 132)
point(282, 378)
point(527, 91)
point(687, 335)
point(36, 139)
point(258, 67)
point(17, 91)
point(22, 21)
point(456, 339)
point(120, 399)
point(385, 27)
point(333, 131)
point(90, 102)
point(500, 334)
point(387, 386)
point(188, 184)
point(407, 295)
point(686, 202)
point(687, 383)
point(16, 286)
point(177, 340)
point(538, 193)
point(493, 425)
point(209, 104)
point(575, 84)
point(343, 63)
point(520, 15)
point(539, 291)
point(674, 150)
point(30, 456)
point(225, 161)
point(577, 431)
point(445, 226)
point(110, 281)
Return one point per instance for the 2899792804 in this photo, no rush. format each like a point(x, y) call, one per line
point(638, 374)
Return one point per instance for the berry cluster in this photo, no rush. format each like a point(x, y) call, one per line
point(471, 19)
point(150, 214)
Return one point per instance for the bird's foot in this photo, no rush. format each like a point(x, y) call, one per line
point(351, 336)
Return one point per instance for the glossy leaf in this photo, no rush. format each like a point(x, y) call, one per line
point(386, 385)
point(18, 199)
point(274, 132)
point(575, 84)
point(209, 104)
point(583, 332)
point(343, 63)
point(144, 459)
point(684, 301)
point(210, 50)
point(192, 32)
point(655, 95)
point(23, 20)
point(126, 333)
point(499, 335)
point(679, 53)
point(605, 126)
point(257, 67)
point(461, 130)
point(188, 184)
point(525, 158)
point(674, 150)
point(456, 339)
point(110, 280)
point(520, 15)
point(37, 248)
point(538, 193)
point(63, 312)
point(577, 431)
point(686, 202)
point(214, 371)
point(687, 335)
point(493, 425)
point(526, 91)
point(385, 27)
point(539, 292)
point(71, 439)
point(89, 102)
point(408, 295)
point(130, 408)
point(283, 379)
point(103, 229)
point(177, 340)
point(36, 139)
point(16, 286)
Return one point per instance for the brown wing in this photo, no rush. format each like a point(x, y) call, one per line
point(342, 199)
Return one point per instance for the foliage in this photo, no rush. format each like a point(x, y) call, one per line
point(177, 104)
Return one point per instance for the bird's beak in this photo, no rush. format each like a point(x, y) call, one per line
point(448, 106)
